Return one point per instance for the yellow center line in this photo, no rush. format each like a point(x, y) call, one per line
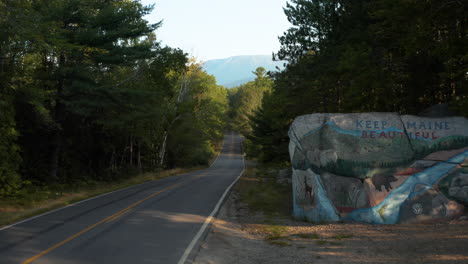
point(107, 219)
point(118, 216)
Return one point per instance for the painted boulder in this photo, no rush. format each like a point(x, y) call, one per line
point(380, 168)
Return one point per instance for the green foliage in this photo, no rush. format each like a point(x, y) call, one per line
point(274, 232)
point(246, 99)
point(10, 48)
point(9, 150)
point(259, 189)
point(342, 236)
point(200, 119)
point(321, 242)
point(360, 56)
point(268, 139)
point(88, 94)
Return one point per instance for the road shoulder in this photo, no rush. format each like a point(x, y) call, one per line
point(240, 236)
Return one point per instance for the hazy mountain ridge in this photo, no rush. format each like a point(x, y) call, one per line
point(237, 70)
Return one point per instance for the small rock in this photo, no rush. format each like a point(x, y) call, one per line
point(460, 180)
point(458, 188)
point(453, 191)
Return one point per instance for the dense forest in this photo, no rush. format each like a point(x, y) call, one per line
point(87, 93)
point(361, 56)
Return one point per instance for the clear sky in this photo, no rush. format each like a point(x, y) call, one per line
point(215, 29)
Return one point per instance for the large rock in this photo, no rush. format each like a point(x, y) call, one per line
point(428, 205)
point(310, 199)
point(458, 188)
point(369, 167)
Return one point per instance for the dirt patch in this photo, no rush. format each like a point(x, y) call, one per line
point(237, 236)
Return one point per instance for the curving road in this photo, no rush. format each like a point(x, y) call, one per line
point(154, 222)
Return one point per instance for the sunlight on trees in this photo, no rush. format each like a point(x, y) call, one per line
point(88, 94)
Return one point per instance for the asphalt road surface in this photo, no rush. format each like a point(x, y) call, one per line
point(154, 222)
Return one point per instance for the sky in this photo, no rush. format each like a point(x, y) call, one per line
point(215, 29)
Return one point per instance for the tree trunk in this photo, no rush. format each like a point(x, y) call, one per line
point(57, 140)
point(184, 89)
point(122, 159)
point(162, 151)
point(56, 151)
point(140, 170)
point(131, 151)
point(112, 163)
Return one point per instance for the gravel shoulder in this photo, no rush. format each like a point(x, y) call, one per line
point(238, 236)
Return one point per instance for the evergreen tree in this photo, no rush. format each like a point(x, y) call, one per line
point(87, 42)
point(361, 56)
point(202, 113)
point(247, 99)
point(13, 15)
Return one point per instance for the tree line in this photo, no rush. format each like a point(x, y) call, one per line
point(87, 93)
point(363, 56)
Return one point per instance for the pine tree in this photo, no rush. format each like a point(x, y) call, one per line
point(13, 15)
point(87, 42)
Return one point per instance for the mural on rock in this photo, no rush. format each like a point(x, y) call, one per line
point(379, 168)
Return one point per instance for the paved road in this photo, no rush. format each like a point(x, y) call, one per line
point(149, 223)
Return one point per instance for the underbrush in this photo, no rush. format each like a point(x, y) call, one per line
point(33, 199)
point(264, 189)
point(261, 189)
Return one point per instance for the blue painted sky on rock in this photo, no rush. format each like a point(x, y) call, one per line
point(214, 29)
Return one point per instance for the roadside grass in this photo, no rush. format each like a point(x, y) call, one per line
point(308, 235)
point(321, 242)
point(342, 236)
point(259, 189)
point(38, 200)
point(274, 232)
point(275, 235)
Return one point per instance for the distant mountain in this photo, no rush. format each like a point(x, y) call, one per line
point(238, 82)
point(234, 71)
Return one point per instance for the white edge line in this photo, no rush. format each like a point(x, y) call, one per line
point(89, 199)
point(209, 219)
point(215, 160)
point(218, 155)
